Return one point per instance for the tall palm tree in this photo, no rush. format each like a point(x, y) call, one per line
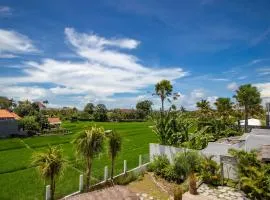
point(88, 144)
point(50, 165)
point(114, 148)
point(163, 89)
point(248, 97)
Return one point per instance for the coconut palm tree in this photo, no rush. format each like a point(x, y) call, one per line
point(203, 104)
point(88, 144)
point(163, 89)
point(114, 148)
point(248, 97)
point(50, 165)
point(224, 106)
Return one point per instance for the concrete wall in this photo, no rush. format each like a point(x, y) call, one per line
point(8, 127)
point(212, 149)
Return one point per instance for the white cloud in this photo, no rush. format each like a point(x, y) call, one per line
point(12, 43)
point(232, 86)
point(104, 71)
point(23, 93)
point(264, 88)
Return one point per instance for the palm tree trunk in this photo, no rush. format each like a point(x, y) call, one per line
point(88, 173)
point(112, 168)
point(246, 119)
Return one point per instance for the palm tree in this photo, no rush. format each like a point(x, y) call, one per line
point(163, 89)
point(50, 165)
point(114, 148)
point(88, 144)
point(224, 106)
point(203, 105)
point(249, 97)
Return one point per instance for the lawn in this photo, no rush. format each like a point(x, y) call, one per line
point(20, 180)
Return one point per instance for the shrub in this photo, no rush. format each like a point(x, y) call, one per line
point(126, 178)
point(178, 193)
point(29, 125)
point(169, 174)
point(192, 184)
point(210, 171)
point(159, 164)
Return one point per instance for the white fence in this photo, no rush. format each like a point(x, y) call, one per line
point(217, 150)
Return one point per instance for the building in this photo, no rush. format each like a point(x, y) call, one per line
point(8, 123)
point(54, 122)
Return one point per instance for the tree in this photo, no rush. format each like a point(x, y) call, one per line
point(89, 108)
point(114, 148)
point(88, 144)
point(50, 165)
point(29, 124)
point(163, 89)
point(224, 106)
point(144, 108)
point(248, 97)
point(43, 121)
point(25, 108)
point(6, 103)
point(100, 113)
point(203, 105)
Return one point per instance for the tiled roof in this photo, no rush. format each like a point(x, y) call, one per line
point(6, 114)
point(54, 120)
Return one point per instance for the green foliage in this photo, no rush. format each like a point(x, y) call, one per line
point(6, 103)
point(203, 105)
point(26, 108)
point(186, 162)
point(193, 184)
point(50, 165)
point(29, 124)
point(144, 108)
point(249, 97)
point(100, 113)
point(224, 106)
point(42, 120)
point(210, 171)
point(126, 178)
point(158, 164)
point(169, 174)
point(88, 144)
point(89, 108)
point(254, 175)
point(163, 89)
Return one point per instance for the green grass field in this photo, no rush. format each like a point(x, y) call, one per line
point(19, 179)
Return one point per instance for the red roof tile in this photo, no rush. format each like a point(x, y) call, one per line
point(6, 114)
point(54, 120)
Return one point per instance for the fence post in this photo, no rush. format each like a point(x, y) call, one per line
point(125, 166)
point(81, 183)
point(140, 160)
point(105, 173)
point(48, 192)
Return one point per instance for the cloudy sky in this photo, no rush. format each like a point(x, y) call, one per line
point(113, 52)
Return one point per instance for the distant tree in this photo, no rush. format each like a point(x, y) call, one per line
point(163, 89)
point(224, 106)
point(100, 113)
point(88, 144)
point(183, 109)
point(45, 101)
point(89, 108)
point(144, 108)
point(249, 97)
point(6, 103)
point(26, 108)
point(114, 148)
point(203, 105)
point(30, 125)
point(50, 165)
point(43, 121)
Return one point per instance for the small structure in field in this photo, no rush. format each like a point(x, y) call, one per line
point(54, 122)
point(8, 123)
point(251, 122)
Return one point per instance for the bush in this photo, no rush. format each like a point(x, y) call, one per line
point(126, 178)
point(177, 193)
point(30, 125)
point(158, 165)
point(210, 171)
point(169, 174)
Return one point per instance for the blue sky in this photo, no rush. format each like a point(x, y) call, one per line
point(113, 52)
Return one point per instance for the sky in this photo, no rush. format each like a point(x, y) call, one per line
point(114, 52)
